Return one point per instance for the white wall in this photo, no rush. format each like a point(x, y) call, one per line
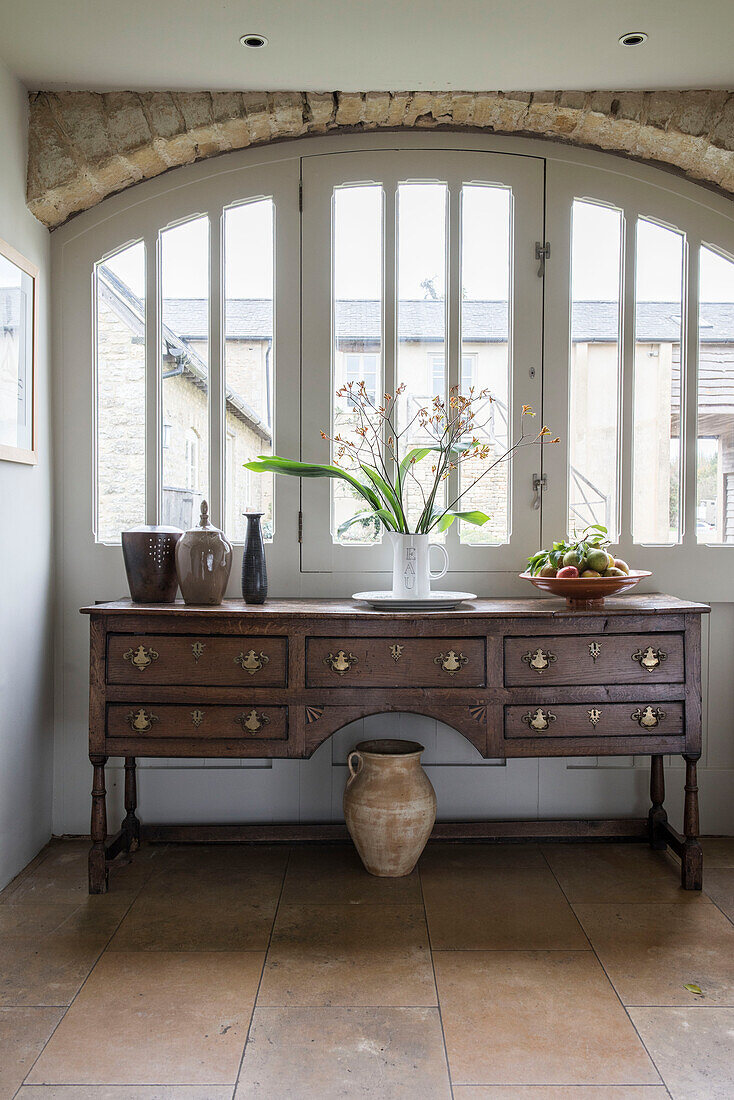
point(26, 598)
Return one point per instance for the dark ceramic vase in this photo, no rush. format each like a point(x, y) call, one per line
point(150, 563)
point(254, 569)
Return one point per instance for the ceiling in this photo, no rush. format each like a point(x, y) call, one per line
point(352, 45)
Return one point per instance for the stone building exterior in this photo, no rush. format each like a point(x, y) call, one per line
point(420, 364)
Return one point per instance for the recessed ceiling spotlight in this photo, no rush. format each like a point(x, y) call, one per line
point(254, 41)
point(633, 38)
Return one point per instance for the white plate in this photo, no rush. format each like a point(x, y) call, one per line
point(437, 601)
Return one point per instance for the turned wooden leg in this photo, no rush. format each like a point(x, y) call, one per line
point(692, 858)
point(97, 854)
point(131, 824)
point(657, 815)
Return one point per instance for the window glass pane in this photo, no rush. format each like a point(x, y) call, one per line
point(184, 364)
point(357, 331)
point(249, 361)
point(486, 217)
point(420, 320)
point(120, 356)
point(715, 482)
point(657, 383)
point(596, 265)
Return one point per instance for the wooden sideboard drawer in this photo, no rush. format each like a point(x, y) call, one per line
point(594, 659)
point(396, 662)
point(191, 659)
point(219, 722)
point(605, 720)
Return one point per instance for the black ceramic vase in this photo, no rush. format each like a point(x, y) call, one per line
point(254, 569)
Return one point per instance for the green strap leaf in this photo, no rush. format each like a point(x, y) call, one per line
point(381, 513)
point(273, 464)
point(388, 494)
point(447, 518)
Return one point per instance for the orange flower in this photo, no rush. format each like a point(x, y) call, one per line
point(527, 410)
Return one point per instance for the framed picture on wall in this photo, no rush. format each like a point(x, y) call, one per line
point(18, 316)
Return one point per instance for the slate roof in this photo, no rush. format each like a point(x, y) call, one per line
point(251, 318)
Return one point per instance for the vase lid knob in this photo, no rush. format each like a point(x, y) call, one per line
point(204, 518)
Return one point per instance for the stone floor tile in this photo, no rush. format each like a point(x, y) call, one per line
point(334, 875)
point(651, 952)
point(331, 1053)
point(512, 862)
point(348, 955)
point(718, 851)
point(719, 882)
point(560, 1092)
point(46, 970)
point(692, 1048)
point(476, 909)
point(159, 923)
point(125, 1092)
point(616, 873)
point(23, 1033)
point(532, 1017)
point(164, 1018)
point(234, 872)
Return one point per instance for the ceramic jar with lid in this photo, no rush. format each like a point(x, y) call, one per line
point(203, 562)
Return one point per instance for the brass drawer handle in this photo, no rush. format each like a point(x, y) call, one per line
point(648, 717)
point(341, 663)
point(140, 657)
point(540, 659)
point(540, 721)
point(141, 720)
point(252, 721)
point(451, 662)
point(251, 661)
point(649, 658)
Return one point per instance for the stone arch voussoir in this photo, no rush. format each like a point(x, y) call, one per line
point(84, 146)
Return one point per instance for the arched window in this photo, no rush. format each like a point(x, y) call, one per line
point(233, 307)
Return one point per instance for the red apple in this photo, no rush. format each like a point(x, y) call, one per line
point(569, 572)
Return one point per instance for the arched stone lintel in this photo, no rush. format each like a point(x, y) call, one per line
point(468, 719)
point(84, 146)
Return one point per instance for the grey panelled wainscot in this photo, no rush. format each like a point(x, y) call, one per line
point(515, 677)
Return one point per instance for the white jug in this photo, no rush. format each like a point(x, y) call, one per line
point(411, 570)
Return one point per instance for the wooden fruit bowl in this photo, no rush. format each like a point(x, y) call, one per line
point(583, 594)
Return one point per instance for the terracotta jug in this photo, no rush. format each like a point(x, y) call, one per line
point(203, 562)
point(389, 805)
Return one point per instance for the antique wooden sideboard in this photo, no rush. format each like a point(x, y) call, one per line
point(515, 677)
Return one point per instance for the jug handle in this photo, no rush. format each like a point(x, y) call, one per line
point(354, 772)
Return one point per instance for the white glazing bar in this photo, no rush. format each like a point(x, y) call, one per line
point(389, 303)
point(153, 493)
point(217, 434)
point(453, 316)
point(689, 394)
point(626, 458)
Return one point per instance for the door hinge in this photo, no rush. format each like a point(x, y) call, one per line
point(300, 526)
point(542, 253)
point(300, 196)
point(540, 484)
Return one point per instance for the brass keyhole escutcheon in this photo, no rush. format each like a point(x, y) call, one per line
point(140, 657)
point(539, 660)
point(594, 650)
point(451, 662)
point(197, 717)
point(540, 720)
point(253, 721)
point(197, 648)
point(594, 716)
point(396, 652)
point(649, 658)
point(140, 720)
point(648, 717)
point(341, 663)
point(251, 661)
